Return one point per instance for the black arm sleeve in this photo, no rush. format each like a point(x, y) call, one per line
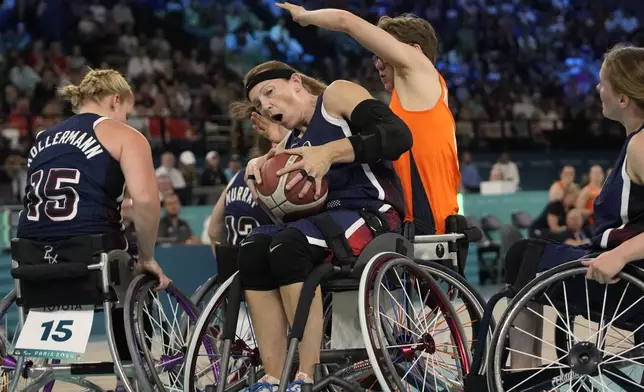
point(380, 133)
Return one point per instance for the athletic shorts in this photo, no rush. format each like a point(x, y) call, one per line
point(358, 234)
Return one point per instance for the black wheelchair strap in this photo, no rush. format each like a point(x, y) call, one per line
point(375, 221)
point(334, 236)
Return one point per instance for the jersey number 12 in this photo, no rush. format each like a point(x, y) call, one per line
point(55, 195)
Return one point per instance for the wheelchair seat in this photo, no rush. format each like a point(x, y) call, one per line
point(57, 273)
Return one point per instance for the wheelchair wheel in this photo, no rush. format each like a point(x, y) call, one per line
point(601, 329)
point(11, 369)
point(204, 355)
point(157, 332)
point(411, 331)
point(467, 302)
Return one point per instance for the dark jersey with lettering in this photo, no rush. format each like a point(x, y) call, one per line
point(242, 214)
point(619, 208)
point(74, 186)
point(351, 185)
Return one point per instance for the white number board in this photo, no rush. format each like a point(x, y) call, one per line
point(56, 334)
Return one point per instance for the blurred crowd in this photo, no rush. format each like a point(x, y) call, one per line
point(505, 61)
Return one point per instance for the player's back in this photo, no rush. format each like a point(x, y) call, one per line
point(429, 173)
point(74, 186)
point(242, 214)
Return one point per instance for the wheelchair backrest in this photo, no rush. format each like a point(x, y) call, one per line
point(55, 273)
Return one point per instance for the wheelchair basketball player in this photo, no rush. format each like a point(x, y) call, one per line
point(405, 51)
point(78, 171)
point(275, 260)
point(619, 207)
point(236, 213)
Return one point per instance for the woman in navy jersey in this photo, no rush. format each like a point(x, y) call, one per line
point(237, 213)
point(78, 172)
point(341, 132)
point(619, 207)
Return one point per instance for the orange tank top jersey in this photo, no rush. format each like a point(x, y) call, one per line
point(594, 192)
point(429, 173)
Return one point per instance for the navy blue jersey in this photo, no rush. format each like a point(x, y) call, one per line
point(74, 186)
point(242, 214)
point(351, 185)
point(619, 208)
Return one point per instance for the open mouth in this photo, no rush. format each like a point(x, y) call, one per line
point(277, 117)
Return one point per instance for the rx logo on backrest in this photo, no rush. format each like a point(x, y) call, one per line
point(48, 256)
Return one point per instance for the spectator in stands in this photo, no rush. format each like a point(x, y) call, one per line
point(470, 178)
point(167, 168)
point(552, 221)
point(574, 234)
point(590, 192)
point(16, 169)
point(122, 13)
point(234, 165)
point(23, 76)
point(173, 229)
point(566, 177)
point(187, 168)
point(165, 186)
point(212, 174)
point(507, 169)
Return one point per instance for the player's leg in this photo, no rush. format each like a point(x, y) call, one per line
point(264, 301)
point(529, 323)
point(294, 253)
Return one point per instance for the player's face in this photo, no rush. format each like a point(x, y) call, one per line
point(386, 73)
point(596, 175)
point(568, 175)
point(276, 99)
point(610, 100)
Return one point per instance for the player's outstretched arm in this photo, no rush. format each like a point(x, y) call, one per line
point(216, 224)
point(378, 41)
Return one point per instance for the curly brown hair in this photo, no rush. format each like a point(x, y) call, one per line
point(410, 29)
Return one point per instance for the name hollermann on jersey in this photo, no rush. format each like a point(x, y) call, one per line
point(88, 145)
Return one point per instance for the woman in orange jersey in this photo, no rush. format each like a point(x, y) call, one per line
point(405, 55)
point(566, 177)
point(590, 192)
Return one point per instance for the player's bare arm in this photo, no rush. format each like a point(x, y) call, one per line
point(416, 77)
point(216, 224)
point(380, 134)
point(378, 41)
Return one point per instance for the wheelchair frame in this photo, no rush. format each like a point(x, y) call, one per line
point(404, 247)
point(76, 373)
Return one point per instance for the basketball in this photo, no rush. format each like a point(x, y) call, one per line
point(287, 205)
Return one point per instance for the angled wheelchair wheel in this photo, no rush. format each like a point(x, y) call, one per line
point(12, 377)
point(210, 358)
point(411, 331)
point(158, 325)
point(467, 302)
point(592, 337)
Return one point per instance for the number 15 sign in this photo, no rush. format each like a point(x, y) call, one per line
point(57, 335)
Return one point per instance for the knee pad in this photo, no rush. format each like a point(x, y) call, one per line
point(292, 257)
point(254, 268)
point(522, 261)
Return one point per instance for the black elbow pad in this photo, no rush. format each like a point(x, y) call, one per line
point(380, 133)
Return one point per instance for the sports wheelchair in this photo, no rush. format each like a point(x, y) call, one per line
point(580, 335)
point(75, 276)
point(425, 324)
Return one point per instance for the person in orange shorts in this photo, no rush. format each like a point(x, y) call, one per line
point(405, 56)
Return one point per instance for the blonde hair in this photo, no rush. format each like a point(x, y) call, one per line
point(242, 109)
point(95, 86)
point(410, 29)
point(624, 69)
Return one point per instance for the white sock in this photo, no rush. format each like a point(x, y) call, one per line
point(301, 376)
point(270, 380)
